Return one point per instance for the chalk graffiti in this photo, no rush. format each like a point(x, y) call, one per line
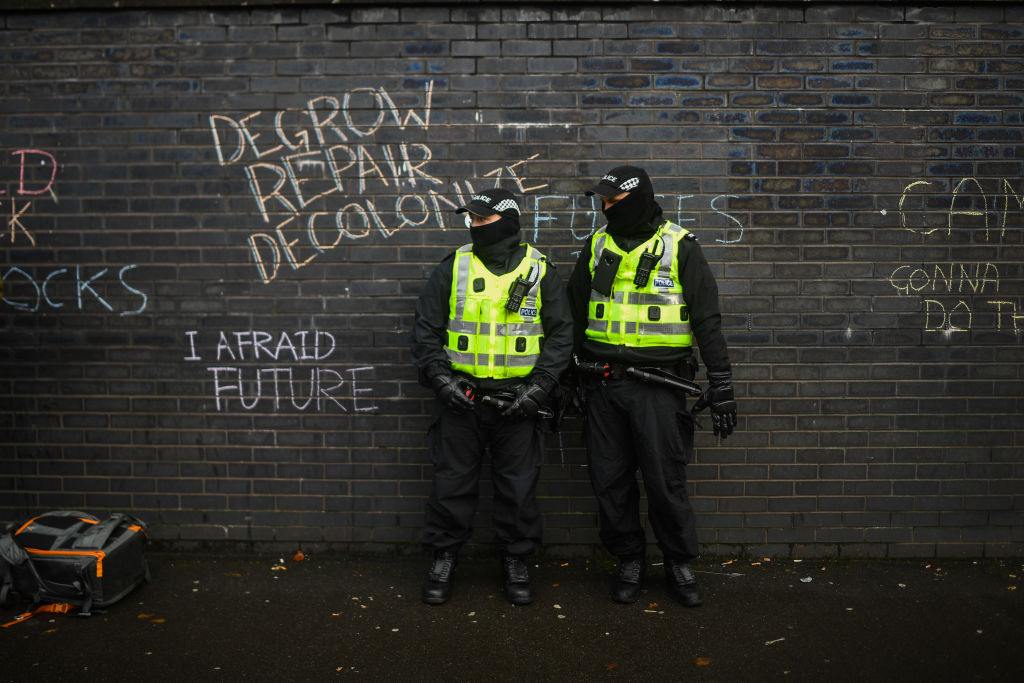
point(968, 203)
point(35, 291)
point(14, 222)
point(321, 150)
point(318, 177)
point(74, 286)
point(951, 278)
point(303, 387)
point(29, 161)
point(953, 294)
point(956, 314)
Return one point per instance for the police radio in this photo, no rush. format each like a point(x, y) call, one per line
point(518, 291)
point(648, 262)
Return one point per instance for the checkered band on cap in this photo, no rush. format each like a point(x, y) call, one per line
point(629, 184)
point(506, 204)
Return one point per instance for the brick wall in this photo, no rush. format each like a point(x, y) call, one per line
point(216, 223)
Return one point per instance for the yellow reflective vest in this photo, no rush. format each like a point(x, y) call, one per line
point(484, 338)
point(654, 314)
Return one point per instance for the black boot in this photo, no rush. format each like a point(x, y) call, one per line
point(438, 587)
point(626, 588)
point(515, 580)
point(682, 583)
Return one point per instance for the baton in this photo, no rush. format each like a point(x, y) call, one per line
point(658, 377)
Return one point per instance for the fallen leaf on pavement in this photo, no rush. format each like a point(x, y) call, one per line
point(703, 661)
point(772, 642)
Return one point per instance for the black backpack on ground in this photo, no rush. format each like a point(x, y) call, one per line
point(72, 559)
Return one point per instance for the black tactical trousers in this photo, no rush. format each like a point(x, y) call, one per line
point(457, 443)
point(632, 424)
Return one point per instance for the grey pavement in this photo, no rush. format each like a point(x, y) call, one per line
point(208, 617)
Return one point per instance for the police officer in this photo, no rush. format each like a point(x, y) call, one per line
point(492, 334)
point(641, 293)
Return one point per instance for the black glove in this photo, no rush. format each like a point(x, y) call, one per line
point(454, 393)
point(719, 397)
point(528, 400)
point(570, 393)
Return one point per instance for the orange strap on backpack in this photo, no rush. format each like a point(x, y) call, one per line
point(57, 607)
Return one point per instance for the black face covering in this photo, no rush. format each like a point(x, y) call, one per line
point(485, 235)
point(632, 215)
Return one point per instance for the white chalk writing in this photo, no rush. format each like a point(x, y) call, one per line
point(302, 387)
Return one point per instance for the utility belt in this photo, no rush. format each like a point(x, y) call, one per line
point(664, 376)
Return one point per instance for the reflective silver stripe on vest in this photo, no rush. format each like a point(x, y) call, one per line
point(517, 361)
point(647, 298)
point(668, 257)
point(502, 330)
point(615, 327)
point(462, 281)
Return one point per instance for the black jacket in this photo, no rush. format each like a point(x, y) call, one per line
point(700, 291)
point(429, 332)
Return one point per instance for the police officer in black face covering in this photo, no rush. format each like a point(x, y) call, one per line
point(492, 334)
point(641, 294)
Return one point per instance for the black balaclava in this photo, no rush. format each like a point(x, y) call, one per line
point(632, 215)
point(635, 216)
point(486, 235)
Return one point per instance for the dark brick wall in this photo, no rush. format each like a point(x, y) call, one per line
point(215, 225)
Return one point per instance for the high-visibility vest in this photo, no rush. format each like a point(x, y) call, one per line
point(654, 314)
point(484, 338)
